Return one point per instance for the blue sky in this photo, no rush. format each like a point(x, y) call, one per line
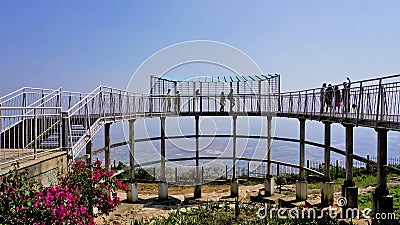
point(82, 44)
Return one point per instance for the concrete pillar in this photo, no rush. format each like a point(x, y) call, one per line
point(301, 190)
point(349, 152)
point(132, 194)
point(327, 192)
point(349, 191)
point(269, 186)
point(197, 187)
point(382, 202)
point(351, 195)
point(89, 154)
point(163, 185)
point(234, 183)
point(302, 147)
point(107, 145)
point(327, 186)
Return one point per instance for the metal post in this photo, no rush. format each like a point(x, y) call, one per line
point(234, 149)
point(269, 146)
point(381, 202)
point(197, 187)
point(162, 172)
point(234, 182)
point(107, 145)
point(327, 152)
point(248, 171)
point(163, 185)
point(132, 150)
point(89, 153)
point(176, 175)
point(35, 133)
point(349, 159)
point(226, 172)
point(302, 147)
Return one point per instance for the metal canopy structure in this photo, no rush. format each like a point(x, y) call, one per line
point(205, 79)
point(250, 93)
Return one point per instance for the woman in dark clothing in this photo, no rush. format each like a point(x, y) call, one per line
point(329, 97)
point(338, 99)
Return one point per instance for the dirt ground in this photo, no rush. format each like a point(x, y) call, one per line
point(181, 196)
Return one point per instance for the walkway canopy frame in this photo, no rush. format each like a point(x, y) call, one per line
point(254, 93)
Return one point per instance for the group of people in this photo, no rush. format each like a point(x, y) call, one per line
point(222, 100)
point(177, 100)
point(332, 98)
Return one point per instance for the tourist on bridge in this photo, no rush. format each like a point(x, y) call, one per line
point(168, 100)
point(346, 95)
point(329, 97)
point(177, 102)
point(322, 97)
point(338, 99)
point(231, 100)
point(222, 102)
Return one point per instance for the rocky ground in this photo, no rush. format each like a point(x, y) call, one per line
point(180, 196)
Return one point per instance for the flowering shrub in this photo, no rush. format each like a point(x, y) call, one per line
point(58, 205)
point(24, 201)
point(16, 198)
point(94, 186)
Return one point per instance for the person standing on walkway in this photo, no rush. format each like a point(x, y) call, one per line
point(231, 100)
point(322, 97)
point(177, 102)
point(222, 102)
point(329, 97)
point(168, 100)
point(346, 95)
point(338, 99)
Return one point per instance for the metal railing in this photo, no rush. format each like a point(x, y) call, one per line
point(371, 103)
point(30, 136)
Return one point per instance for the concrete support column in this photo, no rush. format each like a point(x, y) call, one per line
point(269, 183)
point(107, 145)
point(349, 191)
point(89, 154)
point(163, 185)
point(327, 186)
point(301, 185)
point(349, 159)
point(132, 184)
point(234, 182)
point(382, 202)
point(197, 187)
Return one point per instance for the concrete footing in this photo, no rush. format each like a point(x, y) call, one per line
point(382, 205)
point(327, 192)
point(197, 191)
point(132, 193)
point(351, 195)
point(269, 186)
point(301, 190)
point(163, 190)
point(234, 189)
